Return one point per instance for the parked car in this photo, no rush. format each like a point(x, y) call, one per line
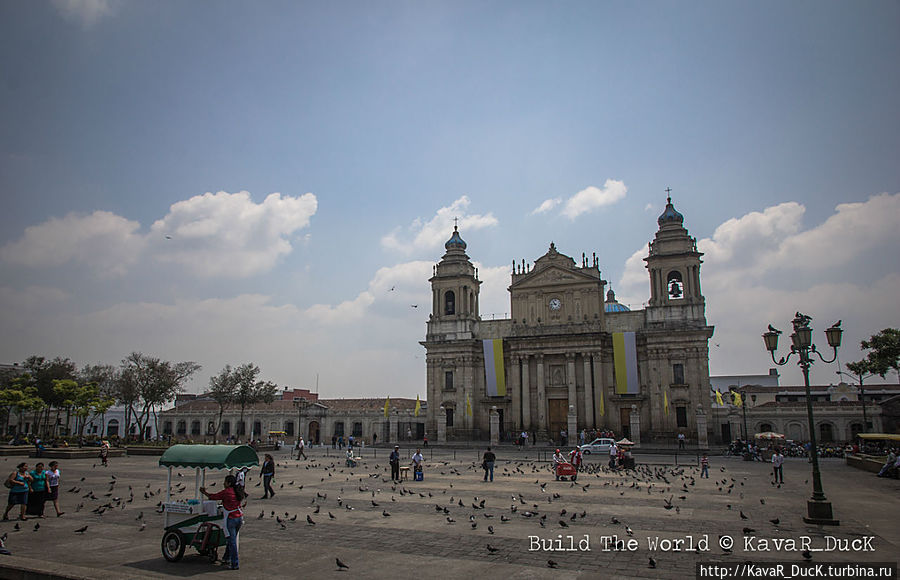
point(599, 445)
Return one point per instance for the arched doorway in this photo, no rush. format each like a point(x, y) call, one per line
point(112, 428)
point(826, 435)
point(313, 435)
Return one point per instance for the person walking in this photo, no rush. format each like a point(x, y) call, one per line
point(394, 460)
point(681, 440)
point(558, 459)
point(425, 439)
point(613, 452)
point(704, 466)
point(487, 463)
point(777, 469)
point(231, 498)
point(53, 486)
point(268, 473)
point(374, 439)
point(301, 446)
point(104, 453)
point(38, 493)
point(575, 458)
point(18, 483)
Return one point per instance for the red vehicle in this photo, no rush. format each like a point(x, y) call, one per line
point(566, 469)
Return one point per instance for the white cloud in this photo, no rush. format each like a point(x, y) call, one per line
point(433, 233)
point(85, 12)
point(494, 295)
point(228, 235)
point(648, 207)
point(764, 266)
point(104, 242)
point(592, 197)
point(547, 205)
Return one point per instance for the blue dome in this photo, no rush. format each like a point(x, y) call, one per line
point(455, 241)
point(611, 305)
point(670, 215)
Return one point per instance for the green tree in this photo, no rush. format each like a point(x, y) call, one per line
point(222, 390)
point(43, 372)
point(157, 382)
point(884, 352)
point(249, 390)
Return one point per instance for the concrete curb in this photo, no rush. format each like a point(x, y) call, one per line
point(18, 568)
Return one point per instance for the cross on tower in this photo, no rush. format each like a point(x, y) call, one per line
point(455, 223)
point(668, 194)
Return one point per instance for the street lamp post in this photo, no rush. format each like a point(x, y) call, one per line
point(301, 405)
point(818, 508)
point(862, 395)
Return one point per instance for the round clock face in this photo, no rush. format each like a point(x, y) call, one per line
point(555, 304)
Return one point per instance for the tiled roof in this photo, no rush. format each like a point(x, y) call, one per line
point(279, 405)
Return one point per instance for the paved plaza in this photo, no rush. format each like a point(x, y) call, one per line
point(420, 530)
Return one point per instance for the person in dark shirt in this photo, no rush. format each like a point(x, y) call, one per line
point(268, 472)
point(395, 463)
point(487, 463)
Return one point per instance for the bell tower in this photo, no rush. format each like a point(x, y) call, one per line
point(674, 265)
point(454, 290)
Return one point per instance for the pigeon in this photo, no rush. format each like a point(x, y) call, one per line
point(492, 549)
point(806, 555)
point(17, 528)
point(775, 521)
point(37, 526)
point(749, 531)
point(743, 517)
point(652, 562)
point(563, 524)
point(552, 564)
point(385, 514)
point(341, 565)
point(330, 516)
point(450, 520)
point(491, 530)
point(310, 521)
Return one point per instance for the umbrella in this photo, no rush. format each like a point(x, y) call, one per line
point(769, 435)
point(624, 441)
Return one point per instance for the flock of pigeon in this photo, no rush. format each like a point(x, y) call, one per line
point(367, 488)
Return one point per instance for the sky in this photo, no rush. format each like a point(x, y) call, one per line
point(271, 182)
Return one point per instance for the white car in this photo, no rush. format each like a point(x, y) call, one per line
point(599, 445)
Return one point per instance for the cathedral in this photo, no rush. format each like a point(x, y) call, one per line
point(567, 359)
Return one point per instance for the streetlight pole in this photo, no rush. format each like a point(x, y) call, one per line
point(818, 508)
point(862, 394)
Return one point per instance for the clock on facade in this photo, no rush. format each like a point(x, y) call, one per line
point(555, 304)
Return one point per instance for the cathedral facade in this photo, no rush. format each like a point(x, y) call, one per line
point(567, 359)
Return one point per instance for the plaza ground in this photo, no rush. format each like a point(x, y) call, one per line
point(416, 540)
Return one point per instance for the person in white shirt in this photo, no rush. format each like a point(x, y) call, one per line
point(613, 451)
point(777, 469)
point(417, 460)
point(557, 459)
point(301, 446)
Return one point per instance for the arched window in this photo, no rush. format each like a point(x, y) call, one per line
point(167, 428)
point(195, 427)
point(226, 427)
point(765, 427)
point(182, 428)
point(825, 433)
point(112, 428)
point(339, 429)
point(289, 427)
point(357, 429)
point(675, 285)
point(855, 429)
point(257, 429)
point(449, 302)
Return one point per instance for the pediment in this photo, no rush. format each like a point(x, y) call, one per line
point(552, 275)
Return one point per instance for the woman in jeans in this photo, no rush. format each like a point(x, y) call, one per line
point(19, 483)
point(231, 498)
point(268, 472)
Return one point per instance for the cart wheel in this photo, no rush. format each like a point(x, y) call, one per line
point(213, 554)
point(173, 545)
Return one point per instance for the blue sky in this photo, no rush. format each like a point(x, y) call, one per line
point(775, 124)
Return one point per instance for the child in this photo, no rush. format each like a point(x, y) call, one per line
point(704, 466)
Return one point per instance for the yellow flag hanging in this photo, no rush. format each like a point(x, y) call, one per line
point(387, 403)
point(468, 406)
point(602, 404)
point(738, 401)
point(666, 401)
point(719, 400)
point(418, 406)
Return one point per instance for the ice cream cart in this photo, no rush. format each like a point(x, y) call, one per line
point(195, 522)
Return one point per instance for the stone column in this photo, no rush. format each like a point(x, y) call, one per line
point(599, 390)
point(572, 431)
point(702, 435)
point(588, 392)
point(392, 433)
point(513, 390)
point(541, 399)
point(495, 426)
point(734, 421)
point(527, 421)
point(442, 425)
point(635, 425)
point(570, 383)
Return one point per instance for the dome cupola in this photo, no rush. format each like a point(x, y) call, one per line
point(670, 215)
point(455, 241)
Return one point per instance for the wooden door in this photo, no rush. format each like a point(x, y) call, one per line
point(559, 410)
point(625, 421)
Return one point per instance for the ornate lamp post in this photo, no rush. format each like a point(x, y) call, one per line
point(818, 508)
